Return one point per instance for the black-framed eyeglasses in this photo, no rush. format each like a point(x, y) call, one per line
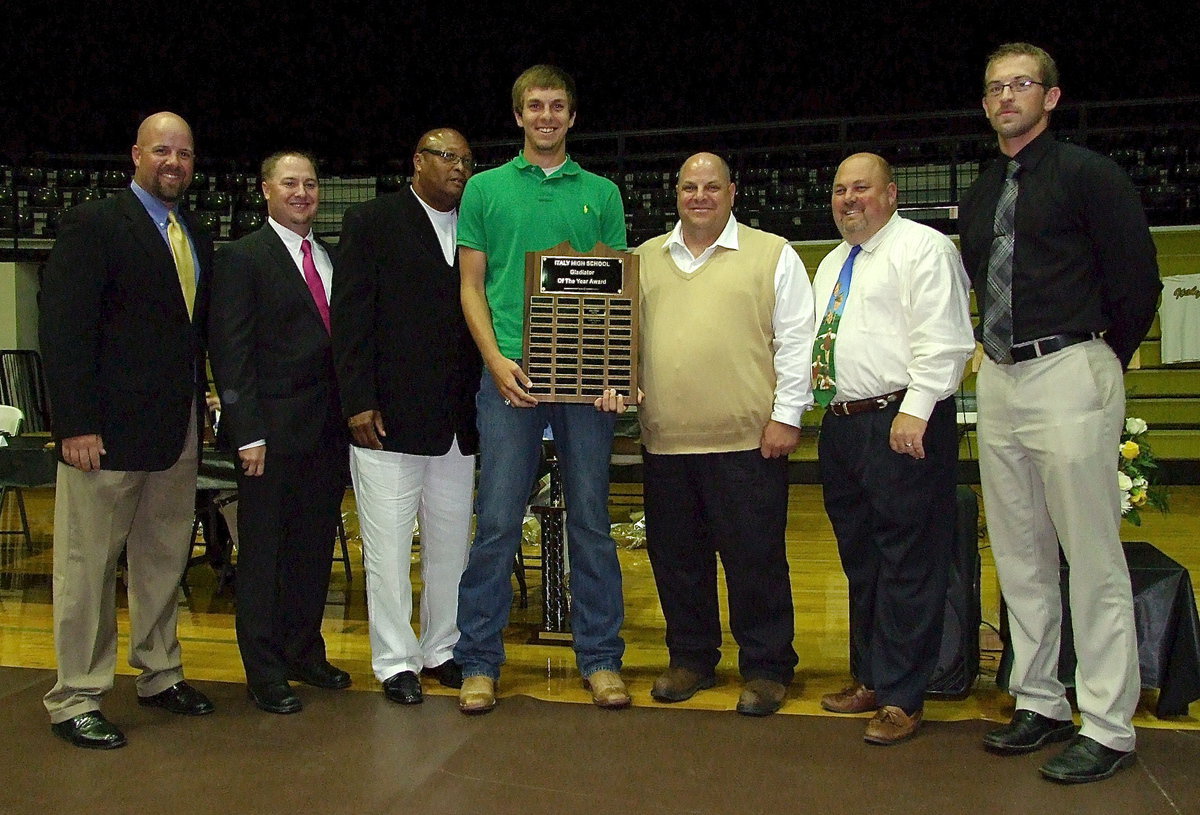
point(1020, 84)
point(468, 163)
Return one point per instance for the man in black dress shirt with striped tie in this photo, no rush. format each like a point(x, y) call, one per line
point(1059, 253)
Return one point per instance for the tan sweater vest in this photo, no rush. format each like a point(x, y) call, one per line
point(707, 361)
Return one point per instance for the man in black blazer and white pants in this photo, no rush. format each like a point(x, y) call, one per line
point(121, 334)
point(273, 364)
point(408, 372)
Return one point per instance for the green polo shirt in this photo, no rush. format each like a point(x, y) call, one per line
point(516, 208)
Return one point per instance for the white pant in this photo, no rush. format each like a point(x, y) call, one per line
point(391, 490)
point(1048, 434)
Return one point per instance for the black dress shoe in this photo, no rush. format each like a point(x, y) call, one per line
point(90, 729)
point(274, 697)
point(320, 675)
point(403, 688)
point(180, 698)
point(449, 673)
point(1028, 731)
point(1086, 760)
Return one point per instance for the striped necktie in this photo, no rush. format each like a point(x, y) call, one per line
point(997, 316)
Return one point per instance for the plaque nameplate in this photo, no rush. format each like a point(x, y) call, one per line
point(581, 323)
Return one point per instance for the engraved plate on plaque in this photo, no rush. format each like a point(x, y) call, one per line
point(581, 323)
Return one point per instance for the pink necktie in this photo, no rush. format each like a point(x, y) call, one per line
point(315, 286)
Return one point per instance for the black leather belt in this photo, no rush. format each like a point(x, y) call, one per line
point(1048, 345)
point(865, 405)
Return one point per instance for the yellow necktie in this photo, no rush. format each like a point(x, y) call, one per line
point(182, 250)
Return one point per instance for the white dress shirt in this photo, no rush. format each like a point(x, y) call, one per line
point(791, 320)
point(292, 242)
point(906, 323)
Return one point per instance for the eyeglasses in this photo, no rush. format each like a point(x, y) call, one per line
point(468, 163)
point(1020, 84)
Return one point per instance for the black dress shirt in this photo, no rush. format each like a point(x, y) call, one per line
point(1083, 259)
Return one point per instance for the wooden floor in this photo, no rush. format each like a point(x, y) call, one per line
point(547, 672)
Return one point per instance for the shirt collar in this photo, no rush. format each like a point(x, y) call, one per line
point(728, 239)
point(872, 243)
point(155, 208)
point(290, 239)
point(1032, 153)
point(570, 168)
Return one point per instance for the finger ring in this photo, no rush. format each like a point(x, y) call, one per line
point(508, 402)
point(908, 444)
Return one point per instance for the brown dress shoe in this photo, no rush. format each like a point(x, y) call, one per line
point(856, 698)
point(608, 691)
point(891, 725)
point(761, 697)
point(680, 684)
point(478, 695)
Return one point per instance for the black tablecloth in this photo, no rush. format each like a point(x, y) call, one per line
point(1168, 630)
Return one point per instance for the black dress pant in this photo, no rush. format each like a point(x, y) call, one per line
point(735, 505)
point(287, 522)
point(894, 517)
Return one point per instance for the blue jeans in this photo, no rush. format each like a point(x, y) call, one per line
point(510, 441)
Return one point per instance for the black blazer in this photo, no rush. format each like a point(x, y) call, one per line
point(271, 355)
point(401, 344)
point(121, 357)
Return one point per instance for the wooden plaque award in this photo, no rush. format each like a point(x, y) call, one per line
point(581, 323)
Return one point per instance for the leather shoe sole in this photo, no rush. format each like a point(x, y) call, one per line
point(680, 684)
point(274, 697)
point(403, 688)
point(761, 697)
point(608, 691)
point(1027, 732)
point(853, 699)
point(1085, 760)
point(90, 730)
point(180, 698)
point(478, 695)
point(891, 725)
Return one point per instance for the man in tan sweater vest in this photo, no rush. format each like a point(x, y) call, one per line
point(726, 338)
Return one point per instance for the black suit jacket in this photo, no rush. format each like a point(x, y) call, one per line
point(122, 358)
point(401, 344)
point(271, 355)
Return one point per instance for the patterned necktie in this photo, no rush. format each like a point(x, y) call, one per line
point(185, 267)
point(997, 317)
point(315, 286)
point(823, 376)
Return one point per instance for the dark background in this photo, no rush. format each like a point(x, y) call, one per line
point(363, 81)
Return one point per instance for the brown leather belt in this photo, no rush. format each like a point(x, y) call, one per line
point(865, 405)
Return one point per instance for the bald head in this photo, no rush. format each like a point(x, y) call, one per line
point(164, 157)
point(704, 196)
point(437, 180)
point(707, 159)
point(864, 197)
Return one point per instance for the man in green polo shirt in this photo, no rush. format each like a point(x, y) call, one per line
point(534, 202)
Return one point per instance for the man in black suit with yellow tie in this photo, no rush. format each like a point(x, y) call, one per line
point(273, 364)
point(122, 310)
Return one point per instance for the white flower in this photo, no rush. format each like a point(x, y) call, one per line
point(1124, 482)
point(1134, 426)
point(1125, 505)
point(1140, 483)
